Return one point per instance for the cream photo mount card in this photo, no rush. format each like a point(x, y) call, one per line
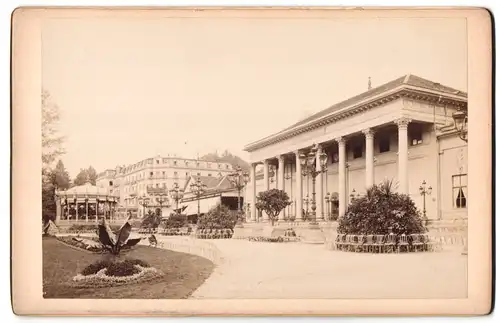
point(251, 161)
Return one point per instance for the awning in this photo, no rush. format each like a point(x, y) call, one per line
point(205, 205)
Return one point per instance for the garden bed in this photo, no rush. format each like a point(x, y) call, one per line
point(274, 239)
point(214, 234)
point(182, 273)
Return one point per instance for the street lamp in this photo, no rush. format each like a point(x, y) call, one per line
point(306, 203)
point(424, 190)
point(330, 200)
point(176, 194)
point(310, 167)
point(239, 179)
point(144, 201)
point(161, 198)
point(460, 120)
point(198, 188)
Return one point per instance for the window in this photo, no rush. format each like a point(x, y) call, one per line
point(199, 174)
point(110, 183)
point(175, 162)
point(209, 174)
point(163, 174)
point(459, 191)
point(227, 166)
point(150, 174)
point(157, 185)
point(334, 157)
point(157, 161)
point(415, 133)
point(357, 151)
point(175, 174)
point(384, 144)
point(164, 185)
point(187, 174)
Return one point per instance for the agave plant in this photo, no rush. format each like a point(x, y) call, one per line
point(112, 242)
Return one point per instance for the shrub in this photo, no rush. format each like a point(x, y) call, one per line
point(176, 220)
point(122, 268)
point(95, 267)
point(381, 211)
point(219, 217)
point(152, 220)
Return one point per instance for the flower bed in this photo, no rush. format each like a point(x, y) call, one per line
point(387, 243)
point(214, 234)
point(89, 244)
point(273, 239)
point(104, 278)
point(290, 233)
point(176, 231)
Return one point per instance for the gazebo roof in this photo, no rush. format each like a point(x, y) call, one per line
point(86, 190)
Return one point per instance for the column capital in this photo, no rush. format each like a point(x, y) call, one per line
point(265, 162)
point(402, 122)
point(280, 158)
point(369, 133)
point(340, 140)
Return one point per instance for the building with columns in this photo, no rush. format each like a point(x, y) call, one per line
point(401, 131)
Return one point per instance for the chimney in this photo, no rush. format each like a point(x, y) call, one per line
point(369, 83)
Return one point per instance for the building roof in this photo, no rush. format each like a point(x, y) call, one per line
point(408, 80)
point(86, 190)
point(211, 183)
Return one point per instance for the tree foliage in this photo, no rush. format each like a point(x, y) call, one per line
point(60, 176)
point(51, 149)
point(381, 211)
point(219, 217)
point(272, 202)
point(86, 174)
point(51, 140)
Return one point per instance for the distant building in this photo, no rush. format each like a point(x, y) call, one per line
point(402, 130)
point(152, 178)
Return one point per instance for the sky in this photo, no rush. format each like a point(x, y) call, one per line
point(133, 89)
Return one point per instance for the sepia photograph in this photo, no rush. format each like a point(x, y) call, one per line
point(254, 155)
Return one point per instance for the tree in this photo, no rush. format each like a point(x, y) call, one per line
point(272, 202)
point(92, 175)
point(51, 140)
point(51, 149)
point(86, 175)
point(152, 220)
point(60, 176)
point(381, 211)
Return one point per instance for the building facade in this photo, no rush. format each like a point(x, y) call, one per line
point(401, 131)
point(152, 178)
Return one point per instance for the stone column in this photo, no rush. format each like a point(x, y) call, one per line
point(298, 182)
point(266, 175)
point(320, 215)
point(265, 216)
point(281, 181)
point(342, 164)
point(403, 154)
point(369, 157)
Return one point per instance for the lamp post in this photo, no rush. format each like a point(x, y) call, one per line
point(144, 202)
point(424, 191)
point(239, 179)
point(161, 198)
point(330, 199)
point(198, 188)
point(460, 119)
point(176, 194)
point(310, 168)
point(306, 203)
point(313, 167)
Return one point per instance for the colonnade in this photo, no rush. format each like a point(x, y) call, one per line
point(369, 134)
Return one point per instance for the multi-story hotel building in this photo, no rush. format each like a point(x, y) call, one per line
point(153, 178)
point(402, 131)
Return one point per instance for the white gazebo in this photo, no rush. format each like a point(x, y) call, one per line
point(85, 202)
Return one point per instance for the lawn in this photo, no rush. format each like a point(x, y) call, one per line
point(184, 273)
